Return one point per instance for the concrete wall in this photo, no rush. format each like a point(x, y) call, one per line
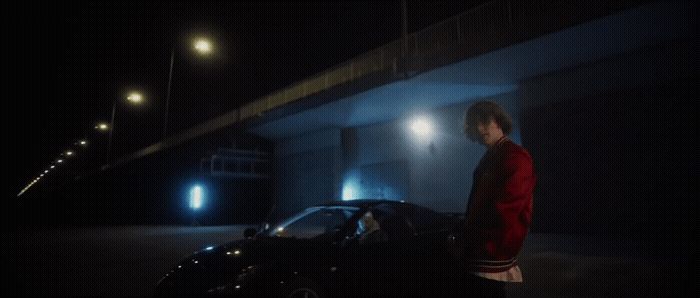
point(385, 160)
point(435, 170)
point(612, 143)
point(307, 170)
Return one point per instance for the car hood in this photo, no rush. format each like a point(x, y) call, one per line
point(217, 267)
point(231, 257)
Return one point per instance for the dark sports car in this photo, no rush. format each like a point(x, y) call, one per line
point(318, 253)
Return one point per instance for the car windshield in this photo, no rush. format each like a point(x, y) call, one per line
point(313, 222)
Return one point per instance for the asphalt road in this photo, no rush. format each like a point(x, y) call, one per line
point(128, 261)
point(106, 261)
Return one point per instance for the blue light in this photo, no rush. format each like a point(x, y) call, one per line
point(196, 196)
point(209, 248)
point(352, 189)
point(348, 193)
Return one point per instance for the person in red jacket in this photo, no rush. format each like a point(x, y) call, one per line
point(499, 209)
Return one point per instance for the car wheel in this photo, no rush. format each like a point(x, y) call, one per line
point(304, 288)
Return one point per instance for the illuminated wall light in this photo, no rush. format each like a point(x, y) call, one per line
point(196, 196)
point(422, 127)
point(348, 193)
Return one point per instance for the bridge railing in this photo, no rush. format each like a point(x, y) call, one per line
point(492, 18)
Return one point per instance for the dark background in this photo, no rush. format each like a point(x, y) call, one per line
point(71, 61)
point(628, 173)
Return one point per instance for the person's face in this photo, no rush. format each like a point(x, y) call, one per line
point(488, 133)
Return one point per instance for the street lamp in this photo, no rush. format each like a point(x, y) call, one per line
point(134, 98)
point(202, 46)
point(102, 126)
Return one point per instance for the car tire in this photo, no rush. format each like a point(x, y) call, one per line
point(304, 288)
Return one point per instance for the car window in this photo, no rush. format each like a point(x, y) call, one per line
point(314, 222)
point(394, 223)
point(425, 220)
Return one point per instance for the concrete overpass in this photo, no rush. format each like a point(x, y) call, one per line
point(558, 67)
point(486, 51)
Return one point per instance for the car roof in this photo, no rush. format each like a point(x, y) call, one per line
point(366, 203)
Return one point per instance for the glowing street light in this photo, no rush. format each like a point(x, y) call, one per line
point(59, 161)
point(53, 167)
point(135, 97)
point(69, 153)
point(203, 46)
point(102, 126)
point(83, 143)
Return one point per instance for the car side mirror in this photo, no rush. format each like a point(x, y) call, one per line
point(249, 233)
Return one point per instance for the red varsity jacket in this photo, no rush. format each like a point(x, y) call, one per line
point(499, 210)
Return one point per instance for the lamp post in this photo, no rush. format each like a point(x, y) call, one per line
point(111, 129)
point(134, 98)
point(203, 47)
point(167, 98)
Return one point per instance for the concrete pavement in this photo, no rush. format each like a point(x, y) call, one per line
point(128, 261)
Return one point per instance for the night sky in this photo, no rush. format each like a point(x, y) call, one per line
point(72, 61)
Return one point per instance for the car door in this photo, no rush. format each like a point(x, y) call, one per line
point(433, 268)
point(365, 268)
point(308, 248)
